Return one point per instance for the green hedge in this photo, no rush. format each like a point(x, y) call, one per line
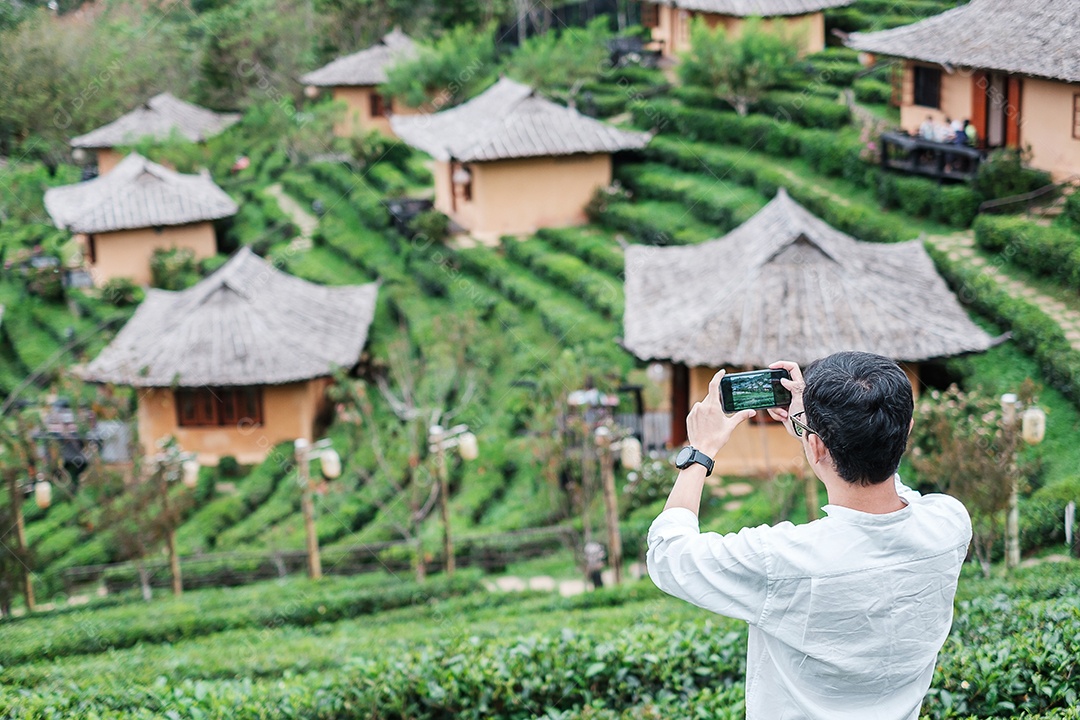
point(874, 92)
point(1072, 208)
point(806, 109)
point(1034, 330)
point(1049, 251)
point(857, 220)
point(602, 292)
point(587, 244)
point(719, 203)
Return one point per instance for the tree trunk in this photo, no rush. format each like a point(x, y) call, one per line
point(419, 566)
point(144, 581)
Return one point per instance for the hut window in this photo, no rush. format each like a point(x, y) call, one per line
point(927, 86)
point(650, 15)
point(378, 104)
point(1076, 117)
point(219, 407)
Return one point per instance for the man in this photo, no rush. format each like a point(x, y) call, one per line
point(846, 613)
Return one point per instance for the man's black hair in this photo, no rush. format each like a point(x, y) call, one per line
point(860, 405)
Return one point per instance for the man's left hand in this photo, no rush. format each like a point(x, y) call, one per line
point(708, 427)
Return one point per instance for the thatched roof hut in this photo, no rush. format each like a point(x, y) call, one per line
point(785, 285)
point(367, 67)
point(1039, 38)
point(510, 120)
point(756, 8)
point(246, 324)
point(158, 118)
point(138, 193)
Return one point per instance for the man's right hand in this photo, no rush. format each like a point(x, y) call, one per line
point(795, 385)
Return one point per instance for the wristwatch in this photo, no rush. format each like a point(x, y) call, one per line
point(690, 455)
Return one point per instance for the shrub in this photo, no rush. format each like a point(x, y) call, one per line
point(957, 205)
point(173, 269)
point(1049, 251)
point(431, 224)
point(1005, 174)
point(1042, 515)
point(806, 110)
point(874, 92)
point(121, 292)
point(1072, 208)
point(916, 195)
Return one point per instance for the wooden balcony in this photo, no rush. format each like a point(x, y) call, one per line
point(943, 161)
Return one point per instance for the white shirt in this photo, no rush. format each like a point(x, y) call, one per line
point(847, 613)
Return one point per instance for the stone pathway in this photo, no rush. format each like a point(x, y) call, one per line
point(298, 214)
point(565, 588)
point(960, 247)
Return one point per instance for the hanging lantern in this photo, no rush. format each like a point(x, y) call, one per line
point(1033, 425)
point(331, 464)
point(189, 473)
point(79, 155)
point(630, 453)
point(462, 176)
point(468, 447)
point(1008, 407)
point(43, 494)
point(311, 92)
point(657, 372)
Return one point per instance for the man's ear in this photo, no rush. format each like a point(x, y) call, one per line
point(818, 451)
point(910, 425)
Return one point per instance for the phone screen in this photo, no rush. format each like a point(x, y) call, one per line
point(754, 390)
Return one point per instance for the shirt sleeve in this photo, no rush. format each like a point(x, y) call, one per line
point(726, 574)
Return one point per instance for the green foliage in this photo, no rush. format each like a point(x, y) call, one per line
point(173, 268)
point(1006, 174)
point(560, 60)
point(447, 71)
point(1034, 330)
point(871, 91)
point(1072, 209)
point(714, 201)
point(432, 225)
point(1050, 251)
point(121, 292)
point(739, 70)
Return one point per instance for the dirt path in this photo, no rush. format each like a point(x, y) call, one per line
point(298, 214)
point(960, 247)
point(565, 587)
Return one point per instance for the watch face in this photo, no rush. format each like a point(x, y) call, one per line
point(683, 458)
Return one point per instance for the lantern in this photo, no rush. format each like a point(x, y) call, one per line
point(43, 494)
point(1008, 407)
point(78, 155)
point(1033, 425)
point(630, 453)
point(866, 59)
point(462, 176)
point(331, 464)
point(311, 92)
point(657, 372)
point(189, 473)
point(468, 447)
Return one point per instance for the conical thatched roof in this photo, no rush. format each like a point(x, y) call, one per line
point(509, 120)
point(158, 118)
point(787, 286)
point(137, 193)
point(247, 324)
point(756, 8)
point(1034, 37)
point(367, 67)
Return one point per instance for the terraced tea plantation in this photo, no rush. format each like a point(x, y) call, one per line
point(382, 647)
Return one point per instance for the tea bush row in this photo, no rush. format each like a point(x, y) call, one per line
point(1049, 251)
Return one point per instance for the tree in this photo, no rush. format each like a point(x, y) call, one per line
point(562, 60)
point(738, 69)
point(961, 443)
point(421, 386)
point(445, 72)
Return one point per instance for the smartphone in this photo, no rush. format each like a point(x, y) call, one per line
point(754, 390)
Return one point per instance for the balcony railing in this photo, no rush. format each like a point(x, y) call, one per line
point(916, 156)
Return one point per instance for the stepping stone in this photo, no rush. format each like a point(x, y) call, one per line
point(732, 505)
point(567, 588)
point(739, 489)
point(542, 582)
point(509, 583)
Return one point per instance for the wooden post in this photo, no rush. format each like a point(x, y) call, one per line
point(444, 501)
point(1012, 520)
point(20, 537)
point(611, 508)
point(170, 535)
point(303, 469)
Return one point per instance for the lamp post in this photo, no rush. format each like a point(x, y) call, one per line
point(169, 466)
point(331, 468)
point(1032, 421)
point(439, 441)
